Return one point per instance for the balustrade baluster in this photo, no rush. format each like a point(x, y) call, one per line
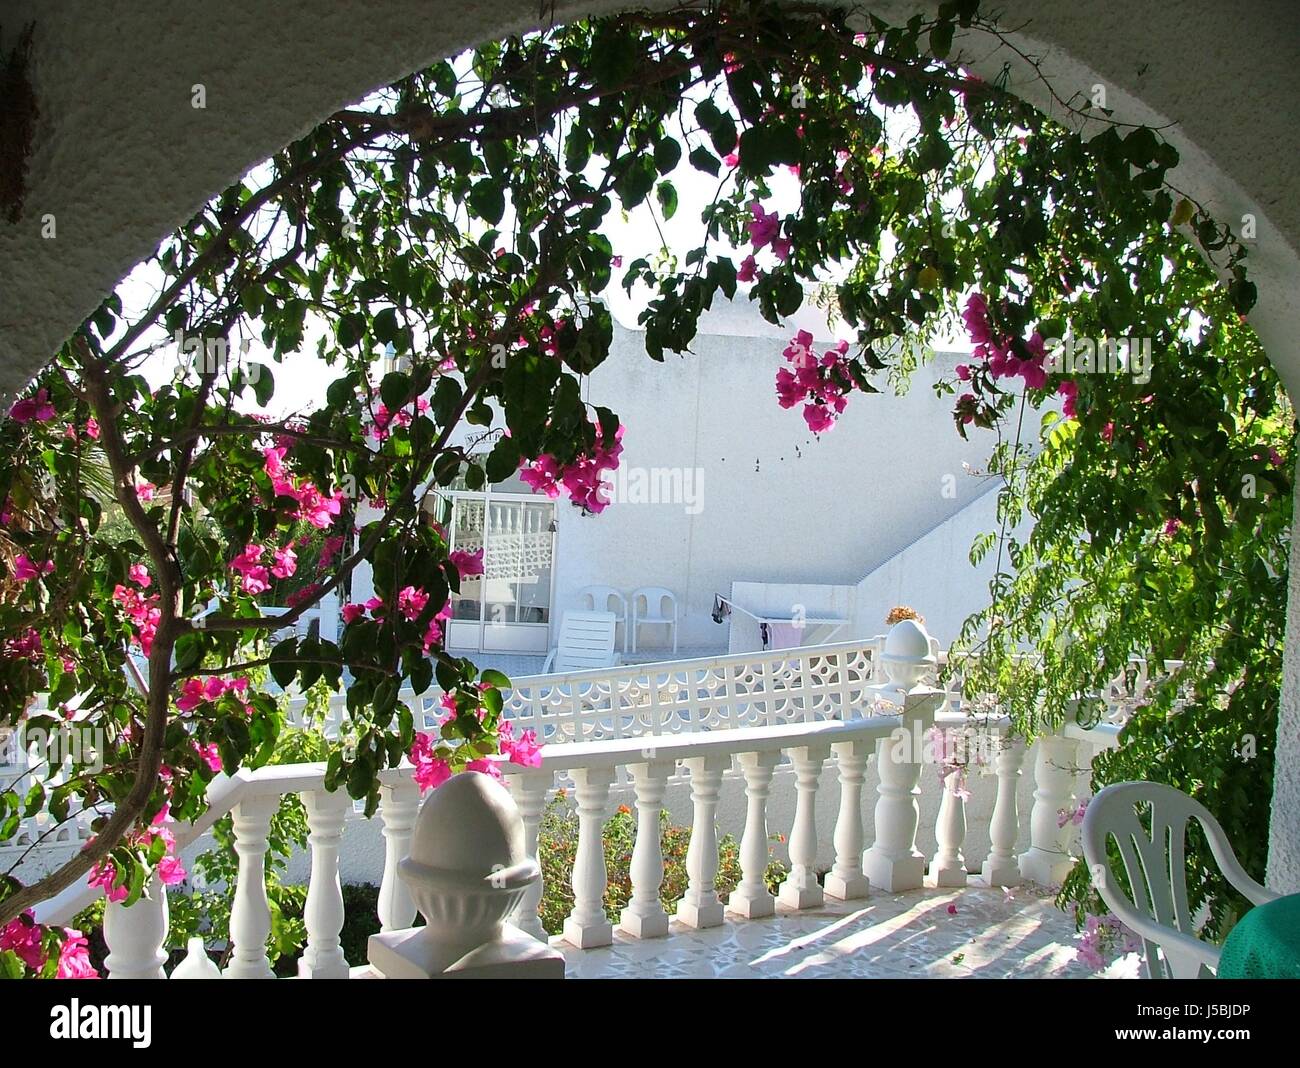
point(250, 915)
point(845, 880)
point(800, 889)
point(751, 898)
point(323, 914)
point(587, 926)
point(1048, 858)
point(948, 868)
point(893, 862)
point(700, 906)
point(398, 806)
point(644, 916)
point(1000, 868)
point(529, 790)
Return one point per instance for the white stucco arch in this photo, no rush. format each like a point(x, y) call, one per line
point(121, 156)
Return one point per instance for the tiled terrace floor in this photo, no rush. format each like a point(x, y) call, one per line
point(910, 935)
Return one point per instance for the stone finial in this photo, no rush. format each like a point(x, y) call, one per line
point(907, 658)
point(467, 871)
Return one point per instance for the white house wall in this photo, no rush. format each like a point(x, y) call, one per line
point(777, 504)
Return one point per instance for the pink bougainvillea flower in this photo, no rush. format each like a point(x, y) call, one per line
point(781, 248)
point(171, 871)
point(74, 957)
point(523, 750)
point(25, 570)
point(192, 695)
point(748, 270)
point(330, 547)
point(102, 876)
point(352, 612)
point(411, 602)
point(431, 771)
point(139, 574)
point(145, 491)
point(92, 429)
point(467, 563)
point(763, 226)
point(36, 409)
point(485, 766)
point(286, 562)
point(952, 910)
point(818, 417)
point(210, 755)
point(22, 936)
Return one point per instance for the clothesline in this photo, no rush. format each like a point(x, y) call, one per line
point(808, 621)
point(776, 632)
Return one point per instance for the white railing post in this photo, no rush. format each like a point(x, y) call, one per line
point(893, 862)
point(250, 915)
point(587, 926)
point(800, 890)
point(700, 906)
point(644, 916)
point(751, 898)
point(398, 806)
point(1000, 867)
point(845, 881)
point(323, 914)
point(135, 935)
point(948, 867)
point(529, 790)
point(1048, 858)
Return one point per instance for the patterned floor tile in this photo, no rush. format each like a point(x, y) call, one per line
point(909, 935)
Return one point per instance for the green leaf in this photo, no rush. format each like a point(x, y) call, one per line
point(488, 200)
point(667, 196)
point(704, 160)
point(282, 668)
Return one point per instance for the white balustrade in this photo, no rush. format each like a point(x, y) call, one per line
point(250, 915)
point(1048, 858)
point(751, 898)
point(801, 889)
point(700, 907)
point(587, 925)
point(135, 935)
point(529, 790)
point(754, 709)
point(323, 914)
point(644, 916)
point(845, 880)
point(398, 805)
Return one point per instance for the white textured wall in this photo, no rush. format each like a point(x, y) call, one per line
point(778, 505)
point(934, 575)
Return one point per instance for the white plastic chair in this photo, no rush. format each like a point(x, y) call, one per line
point(655, 612)
point(586, 641)
point(600, 599)
point(1156, 866)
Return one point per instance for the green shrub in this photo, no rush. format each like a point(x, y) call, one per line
point(557, 847)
